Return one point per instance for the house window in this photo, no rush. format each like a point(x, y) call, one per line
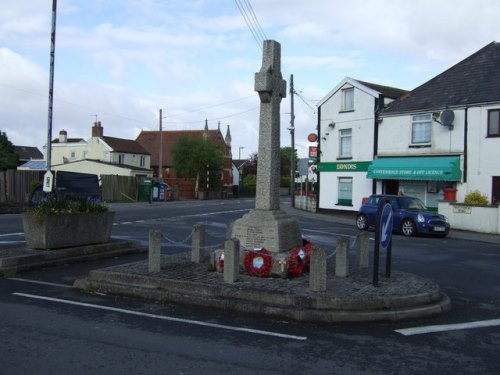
point(345, 139)
point(85, 154)
point(421, 129)
point(348, 99)
point(345, 191)
point(72, 155)
point(494, 123)
point(121, 158)
point(142, 161)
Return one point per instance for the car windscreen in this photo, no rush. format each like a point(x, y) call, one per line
point(410, 203)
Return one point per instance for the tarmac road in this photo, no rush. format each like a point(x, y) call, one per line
point(136, 336)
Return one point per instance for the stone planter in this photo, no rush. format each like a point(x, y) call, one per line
point(67, 230)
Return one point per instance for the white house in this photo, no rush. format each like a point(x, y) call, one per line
point(100, 155)
point(444, 135)
point(347, 141)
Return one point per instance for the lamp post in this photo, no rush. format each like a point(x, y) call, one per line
point(48, 178)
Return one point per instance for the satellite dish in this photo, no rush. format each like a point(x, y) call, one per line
point(447, 117)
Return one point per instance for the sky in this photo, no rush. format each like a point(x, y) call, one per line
point(121, 61)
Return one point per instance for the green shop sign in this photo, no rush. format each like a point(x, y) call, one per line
point(355, 166)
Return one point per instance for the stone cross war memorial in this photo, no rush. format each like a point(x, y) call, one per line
point(267, 226)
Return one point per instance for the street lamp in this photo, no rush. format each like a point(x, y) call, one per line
point(239, 152)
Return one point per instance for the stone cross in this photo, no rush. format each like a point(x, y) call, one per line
point(271, 88)
point(267, 226)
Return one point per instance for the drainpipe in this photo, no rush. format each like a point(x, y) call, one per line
point(466, 130)
point(318, 132)
point(379, 106)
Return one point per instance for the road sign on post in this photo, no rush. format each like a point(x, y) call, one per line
point(48, 182)
point(383, 237)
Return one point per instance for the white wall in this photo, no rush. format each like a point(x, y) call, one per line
point(483, 153)
point(395, 137)
point(361, 121)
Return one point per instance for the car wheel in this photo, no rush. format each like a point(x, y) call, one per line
point(408, 228)
point(362, 222)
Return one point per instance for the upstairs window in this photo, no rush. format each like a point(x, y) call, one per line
point(345, 146)
point(121, 158)
point(494, 123)
point(421, 129)
point(348, 99)
point(142, 161)
point(72, 155)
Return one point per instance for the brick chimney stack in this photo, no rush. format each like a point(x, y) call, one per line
point(63, 136)
point(97, 130)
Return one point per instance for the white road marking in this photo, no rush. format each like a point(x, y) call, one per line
point(40, 282)
point(448, 327)
point(161, 317)
point(11, 234)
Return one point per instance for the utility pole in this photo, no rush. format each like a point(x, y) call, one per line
point(160, 156)
point(292, 133)
point(48, 180)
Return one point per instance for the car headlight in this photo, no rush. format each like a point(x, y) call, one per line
point(420, 218)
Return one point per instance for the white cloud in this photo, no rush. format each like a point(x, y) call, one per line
point(123, 60)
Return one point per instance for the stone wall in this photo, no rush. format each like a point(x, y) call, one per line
point(482, 219)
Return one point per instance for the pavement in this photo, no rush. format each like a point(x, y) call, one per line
point(403, 296)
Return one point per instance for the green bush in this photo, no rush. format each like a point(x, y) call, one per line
point(476, 198)
point(285, 181)
point(250, 181)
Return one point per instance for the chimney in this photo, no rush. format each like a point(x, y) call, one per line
point(97, 130)
point(63, 136)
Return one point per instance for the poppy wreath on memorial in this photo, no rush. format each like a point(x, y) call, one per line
point(220, 261)
point(258, 262)
point(307, 245)
point(297, 261)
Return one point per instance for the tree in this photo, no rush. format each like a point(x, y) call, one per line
point(8, 157)
point(250, 166)
point(198, 158)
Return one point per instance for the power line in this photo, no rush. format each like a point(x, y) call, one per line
point(255, 20)
point(250, 23)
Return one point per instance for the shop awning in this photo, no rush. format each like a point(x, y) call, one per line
point(435, 168)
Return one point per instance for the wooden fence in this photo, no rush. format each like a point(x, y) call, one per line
point(15, 186)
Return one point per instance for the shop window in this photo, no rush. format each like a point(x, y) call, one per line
point(345, 191)
point(494, 123)
point(421, 126)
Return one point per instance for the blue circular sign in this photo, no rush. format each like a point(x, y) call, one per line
point(386, 224)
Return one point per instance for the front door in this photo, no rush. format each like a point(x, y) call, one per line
point(495, 190)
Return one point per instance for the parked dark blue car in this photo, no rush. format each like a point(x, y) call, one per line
point(410, 216)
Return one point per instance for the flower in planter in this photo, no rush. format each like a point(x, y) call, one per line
point(52, 205)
